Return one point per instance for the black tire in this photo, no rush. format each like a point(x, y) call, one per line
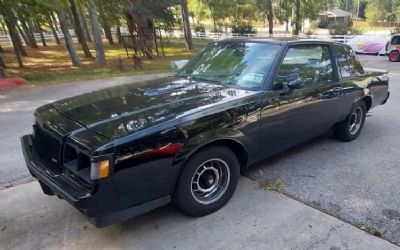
point(345, 130)
point(394, 56)
point(191, 202)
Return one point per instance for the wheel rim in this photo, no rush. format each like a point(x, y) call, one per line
point(210, 181)
point(394, 56)
point(355, 120)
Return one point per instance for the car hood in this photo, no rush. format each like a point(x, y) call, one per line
point(126, 109)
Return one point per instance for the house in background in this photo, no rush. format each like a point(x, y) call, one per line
point(335, 16)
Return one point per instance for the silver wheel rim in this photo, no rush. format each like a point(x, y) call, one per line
point(210, 181)
point(355, 120)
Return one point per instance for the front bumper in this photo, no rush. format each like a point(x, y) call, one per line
point(99, 203)
point(64, 186)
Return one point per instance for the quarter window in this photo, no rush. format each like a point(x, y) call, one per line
point(356, 68)
point(347, 62)
point(342, 61)
point(304, 66)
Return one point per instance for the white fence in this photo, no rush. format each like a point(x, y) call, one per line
point(5, 39)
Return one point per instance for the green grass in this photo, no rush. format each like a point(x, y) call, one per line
point(52, 64)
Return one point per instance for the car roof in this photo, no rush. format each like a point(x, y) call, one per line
point(282, 40)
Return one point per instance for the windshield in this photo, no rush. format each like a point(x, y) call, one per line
point(242, 64)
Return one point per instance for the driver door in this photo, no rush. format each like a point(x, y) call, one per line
point(293, 110)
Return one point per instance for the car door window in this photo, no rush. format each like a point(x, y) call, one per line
point(342, 61)
point(304, 66)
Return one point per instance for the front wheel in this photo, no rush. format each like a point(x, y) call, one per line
point(351, 127)
point(207, 182)
point(394, 56)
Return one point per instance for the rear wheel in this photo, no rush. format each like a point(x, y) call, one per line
point(351, 127)
point(394, 56)
point(207, 182)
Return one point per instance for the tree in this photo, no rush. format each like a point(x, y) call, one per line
point(199, 9)
point(283, 11)
point(7, 11)
point(218, 10)
point(53, 30)
point(297, 17)
point(2, 71)
point(39, 28)
point(186, 25)
point(84, 23)
point(67, 36)
point(79, 29)
point(94, 22)
point(266, 10)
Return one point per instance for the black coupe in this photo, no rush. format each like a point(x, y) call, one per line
point(119, 152)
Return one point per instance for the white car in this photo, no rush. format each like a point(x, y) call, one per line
point(393, 48)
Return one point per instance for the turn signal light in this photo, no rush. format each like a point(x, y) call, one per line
point(99, 169)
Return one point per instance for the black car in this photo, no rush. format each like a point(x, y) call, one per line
point(119, 152)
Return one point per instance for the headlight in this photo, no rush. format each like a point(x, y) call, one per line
point(99, 169)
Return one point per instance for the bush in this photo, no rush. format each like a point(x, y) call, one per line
point(243, 29)
point(342, 29)
point(396, 30)
point(200, 28)
point(323, 25)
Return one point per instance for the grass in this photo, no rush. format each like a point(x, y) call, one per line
point(277, 185)
point(52, 64)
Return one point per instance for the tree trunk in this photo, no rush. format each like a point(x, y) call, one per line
point(85, 25)
point(67, 36)
point(2, 64)
point(2, 72)
point(1, 49)
point(2, 68)
point(79, 30)
point(54, 21)
point(270, 15)
point(20, 45)
point(43, 40)
point(53, 30)
point(297, 17)
point(31, 29)
point(186, 25)
point(94, 22)
point(119, 36)
point(14, 39)
point(21, 32)
point(107, 32)
point(30, 41)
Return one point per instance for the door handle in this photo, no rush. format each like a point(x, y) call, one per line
point(336, 91)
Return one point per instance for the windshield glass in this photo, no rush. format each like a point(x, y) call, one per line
point(242, 64)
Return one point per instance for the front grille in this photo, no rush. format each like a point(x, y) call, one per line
point(46, 147)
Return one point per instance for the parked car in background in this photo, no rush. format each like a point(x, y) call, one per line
point(369, 44)
point(393, 48)
point(119, 152)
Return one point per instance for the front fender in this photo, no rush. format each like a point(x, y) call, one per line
point(217, 135)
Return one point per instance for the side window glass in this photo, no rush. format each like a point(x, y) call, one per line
point(342, 61)
point(303, 67)
point(395, 40)
point(356, 68)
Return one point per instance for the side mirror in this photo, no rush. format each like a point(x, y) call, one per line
point(277, 86)
point(293, 84)
point(179, 64)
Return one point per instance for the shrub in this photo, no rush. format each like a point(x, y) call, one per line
point(200, 28)
point(342, 29)
point(242, 29)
